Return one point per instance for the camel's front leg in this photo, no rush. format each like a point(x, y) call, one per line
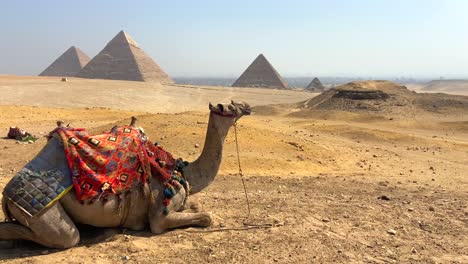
point(181, 213)
point(191, 207)
point(180, 219)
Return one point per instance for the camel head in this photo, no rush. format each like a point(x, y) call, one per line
point(201, 172)
point(232, 112)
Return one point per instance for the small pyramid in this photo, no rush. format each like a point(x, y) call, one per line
point(122, 59)
point(68, 64)
point(315, 85)
point(261, 74)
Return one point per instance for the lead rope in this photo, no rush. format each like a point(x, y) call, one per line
point(247, 225)
point(246, 220)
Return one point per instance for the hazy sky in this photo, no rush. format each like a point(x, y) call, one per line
point(366, 38)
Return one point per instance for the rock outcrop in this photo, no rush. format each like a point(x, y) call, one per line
point(384, 97)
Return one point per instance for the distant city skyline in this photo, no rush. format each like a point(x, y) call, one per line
point(207, 38)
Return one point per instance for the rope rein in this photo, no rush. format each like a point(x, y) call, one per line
point(246, 220)
point(247, 225)
point(241, 174)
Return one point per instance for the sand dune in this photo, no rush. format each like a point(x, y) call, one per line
point(446, 86)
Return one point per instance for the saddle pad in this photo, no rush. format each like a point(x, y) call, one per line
point(34, 191)
point(112, 163)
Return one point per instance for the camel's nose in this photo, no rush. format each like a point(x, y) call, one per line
point(245, 107)
point(247, 110)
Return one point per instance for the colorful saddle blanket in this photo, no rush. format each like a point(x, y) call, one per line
point(95, 166)
point(114, 162)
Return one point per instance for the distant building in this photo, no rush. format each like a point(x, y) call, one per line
point(315, 85)
point(123, 59)
point(68, 64)
point(261, 74)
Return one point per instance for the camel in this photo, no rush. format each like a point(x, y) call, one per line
point(142, 207)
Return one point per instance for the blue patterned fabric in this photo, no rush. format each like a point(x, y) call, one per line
point(42, 181)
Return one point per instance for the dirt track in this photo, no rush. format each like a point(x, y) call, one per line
point(317, 178)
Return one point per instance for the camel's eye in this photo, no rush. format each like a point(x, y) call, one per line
point(221, 108)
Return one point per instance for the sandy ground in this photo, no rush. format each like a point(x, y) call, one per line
point(448, 86)
point(441, 87)
point(134, 96)
point(332, 184)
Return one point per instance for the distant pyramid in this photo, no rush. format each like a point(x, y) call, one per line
point(68, 64)
point(315, 85)
point(260, 74)
point(122, 59)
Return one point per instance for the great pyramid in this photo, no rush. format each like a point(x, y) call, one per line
point(68, 64)
point(261, 74)
point(122, 59)
point(315, 85)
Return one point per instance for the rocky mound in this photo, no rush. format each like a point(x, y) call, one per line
point(383, 97)
point(364, 95)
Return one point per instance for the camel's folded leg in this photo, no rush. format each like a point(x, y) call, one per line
point(13, 231)
point(192, 207)
point(181, 219)
point(53, 228)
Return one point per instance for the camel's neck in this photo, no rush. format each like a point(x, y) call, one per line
point(202, 172)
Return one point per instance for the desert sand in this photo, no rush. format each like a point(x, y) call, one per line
point(338, 186)
point(457, 87)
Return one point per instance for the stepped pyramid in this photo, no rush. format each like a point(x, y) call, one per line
point(315, 85)
point(122, 59)
point(68, 64)
point(260, 74)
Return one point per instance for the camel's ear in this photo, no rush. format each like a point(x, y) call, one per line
point(210, 106)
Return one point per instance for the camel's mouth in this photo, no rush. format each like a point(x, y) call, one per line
point(233, 110)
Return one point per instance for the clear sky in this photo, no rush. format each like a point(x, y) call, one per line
point(362, 38)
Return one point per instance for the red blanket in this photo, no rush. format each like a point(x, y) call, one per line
point(114, 162)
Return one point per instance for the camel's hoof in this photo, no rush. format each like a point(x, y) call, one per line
point(205, 219)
